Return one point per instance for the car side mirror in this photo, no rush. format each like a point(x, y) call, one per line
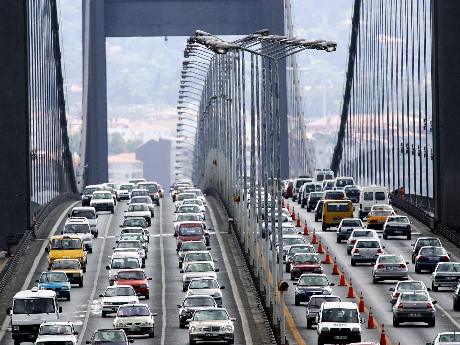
point(131, 341)
point(181, 271)
point(412, 244)
point(215, 260)
point(216, 270)
point(9, 311)
point(391, 289)
point(60, 309)
point(331, 284)
point(107, 267)
point(434, 302)
point(88, 342)
point(428, 289)
point(47, 249)
point(179, 306)
point(101, 295)
point(149, 278)
point(407, 262)
point(120, 226)
point(68, 215)
point(233, 319)
point(222, 287)
point(294, 283)
point(175, 235)
point(383, 247)
point(75, 333)
point(208, 248)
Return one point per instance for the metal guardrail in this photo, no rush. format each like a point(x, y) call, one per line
point(30, 235)
point(416, 212)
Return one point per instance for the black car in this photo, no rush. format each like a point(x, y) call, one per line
point(311, 284)
point(109, 336)
point(397, 226)
point(423, 242)
point(192, 303)
point(313, 199)
point(319, 210)
point(314, 306)
point(353, 193)
point(456, 298)
point(446, 274)
point(87, 194)
point(428, 258)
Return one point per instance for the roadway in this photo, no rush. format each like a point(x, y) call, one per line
point(376, 295)
point(165, 287)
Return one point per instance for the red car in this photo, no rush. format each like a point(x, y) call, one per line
point(137, 279)
point(189, 232)
point(305, 263)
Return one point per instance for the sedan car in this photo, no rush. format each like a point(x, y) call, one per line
point(189, 247)
point(139, 210)
point(57, 333)
point(397, 226)
point(445, 274)
point(144, 200)
point(415, 306)
point(295, 249)
point(211, 324)
point(290, 240)
point(360, 234)
point(305, 263)
point(311, 284)
point(206, 286)
point(346, 227)
point(56, 281)
point(313, 199)
point(109, 337)
point(135, 319)
point(428, 257)
point(115, 296)
point(191, 304)
point(314, 306)
point(72, 268)
point(366, 251)
point(135, 222)
point(389, 267)
point(446, 338)
point(406, 286)
point(197, 270)
point(195, 256)
point(424, 242)
point(103, 201)
point(319, 210)
point(135, 278)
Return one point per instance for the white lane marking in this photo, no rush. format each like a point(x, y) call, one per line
point(93, 291)
point(162, 235)
point(36, 262)
point(163, 281)
point(235, 292)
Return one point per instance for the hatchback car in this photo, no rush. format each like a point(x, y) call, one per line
point(389, 267)
point(197, 270)
point(305, 263)
point(290, 240)
point(378, 216)
point(135, 278)
point(311, 284)
point(428, 257)
point(72, 268)
point(206, 286)
point(406, 286)
point(56, 281)
point(415, 306)
point(446, 274)
point(314, 305)
point(115, 296)
point(295, 249)
point(197, 256)
point(313, 199)
point(109, 337)
point(319, 210)
point(366, 251)
point(423, 242)
point(189, 247)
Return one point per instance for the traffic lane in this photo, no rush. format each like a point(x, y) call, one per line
point(382, 310)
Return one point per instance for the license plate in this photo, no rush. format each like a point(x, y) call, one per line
point(134, 329)
point(210, 334)
point(398, 232)
point(391, 268)
point(415, 315)
point(450, 278)
point(340, 337)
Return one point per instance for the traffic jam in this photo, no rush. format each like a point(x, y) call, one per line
point(38, 314)
point(361, 272)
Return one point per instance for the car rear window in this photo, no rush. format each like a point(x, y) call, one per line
point(338, 207)
point(368, 196)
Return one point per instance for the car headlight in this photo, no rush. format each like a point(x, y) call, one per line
point(193, 328)
point(325, 329)
point(217, 294)
point(355, 329)
point(15, 328)
point(66, 287)
point(143, 286)
point(228, 329)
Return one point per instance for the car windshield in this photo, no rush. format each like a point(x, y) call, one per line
point(139, 231)
point(151, 187)
point(119, 291)
point(142, 192)
point(33, 306)
point(367, 244)
point(289, 241)
point(129, 244)
point(193, 202)
point(344, 182)
point(120, 263)
point(126, 187)
point(333, 195)
point(210, 315)
point(402, 220)
point(66, 264)
point(381, 213)
point(138, 207)
point(132, 237)
point(55, 330)
point(203, 284)
point(189, 246)
point(197, 192)
point(188, 209)
point(135, 222)
point(91, 190)
point(190, 230)
point(301, 249)
point(312, 280)
point(338, 207)
point(429, 242)
point(66, 244)
point(53, 277)
point(133, 311)
point(107, 336)
point(183, 196)
point(449, 267)
point(289, 231)
point(432, 251)
point(368, 196)
point(205, 256)
point(410, 286)
point(351, 223)
point(414, 297)
point(83, 213)
point(449, 338)
point(341, 315)
point(307, 258)
point(141, 200)
point(127, 275)
point(76, 229)
point(102, 195)
point(317, 301)
point(184, 217)
point(316, 195)
point(199, 302)
point(199, 267)
point(391, 259)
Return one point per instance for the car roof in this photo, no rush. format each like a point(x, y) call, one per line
point(35, 292)
point(132, 270)
point(61, 237)
point(345, 305)
point(117, 255)
point(84, 208)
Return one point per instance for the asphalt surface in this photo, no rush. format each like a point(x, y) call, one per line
point(165, 288)
point(376, 295)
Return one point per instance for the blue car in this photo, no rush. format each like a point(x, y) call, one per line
point(311, 284)
point(428, 258)
point(56, 281)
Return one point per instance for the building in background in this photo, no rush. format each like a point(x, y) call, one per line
point(156, 158)
point(124, 166)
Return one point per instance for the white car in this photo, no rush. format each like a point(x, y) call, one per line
point(80, 227)
point(345, 314)
point(133, 244)
point(182, 196)
point(408, 285)
point(197, 256)
point(123, 191)
point(446, 338)
point(103, 201)
point(197, 270)
point(88, 213)
point(190, 246)
point(211, 324)
point(187, 217)
point(135, 319)
point(358, 234)
point(206, 286)
point(116, 296)
point(57, 333)
point(139, 210)
point(189, 209)
point(200, 195)
point(144, 200)
point(120, 261)
point(288, 241)
point(197, 202)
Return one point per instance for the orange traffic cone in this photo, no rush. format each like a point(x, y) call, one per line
point(298, 220)
point(342, 279)
point(370, 320)
point(350, 293)
point(327, 260)
point(293, 213)
point(314, 240)
point(361, 303)
point(305, 229)
point(320, 249)
point(383, 337)
point(335, 269)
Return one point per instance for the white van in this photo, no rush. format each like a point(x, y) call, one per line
point(341, 182)
point(371, 196)
point(343, 315)
point(30, 309)
point(299, 182)
point(323, 174)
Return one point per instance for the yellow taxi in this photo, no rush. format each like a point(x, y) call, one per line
point(334, 211)
point(378, 216)
point(72, 268)
point(66, 247)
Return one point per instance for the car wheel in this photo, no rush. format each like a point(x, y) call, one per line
point(434, 287)
point(112, 210)
point(90, 250)
point(395, 322)
point(192, 342)
point(232, 341)
point(385, 236)
point(152, 333)
point(413, 259)
point(288, 268)
point(80, 283)
point(324, 227)
point(360, 215)
point(181, 324)
point(297, 302)
point(180, 264)
point(339, 240)
point(104, 313)
point(302, 205)
point(316, 219)
point(68, 297)
point(84, 269)
point(353, 263)
point(432, 322)
point(409, 237)
point(456, 306)
point(417, 270)
point(309, 324)
point(16, 342)
point(375, 280)
point(95, 234)
point(320, 341)
point(348, 252)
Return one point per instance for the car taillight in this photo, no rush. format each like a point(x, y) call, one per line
point(380, 266)
point(379, 251)
point(421, 258)
point(429, 306)
point(353, 241)
point(397, 294)
point(356, 250)
point(402, 266)
point(400, 306)
point(445, 258)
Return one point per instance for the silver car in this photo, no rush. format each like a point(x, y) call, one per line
point(414, 306)
point(389, 267)
point(366, 251)
point(406, 286)
point(445, 274)
point(357, 234)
